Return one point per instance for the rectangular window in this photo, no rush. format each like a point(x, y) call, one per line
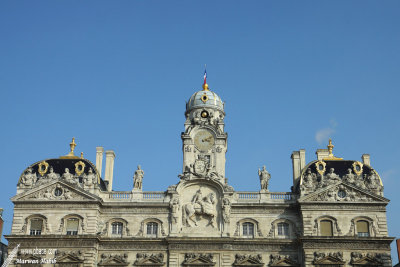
point(248, 229)
point(152, 229)
point(283, 229)
point(36, 227)
point(72, 226)
point(326, 228)
point(116, 228)
point(362, 229)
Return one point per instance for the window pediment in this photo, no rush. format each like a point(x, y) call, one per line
point(197, 259)
point(248, 260)
point(334, 258)
point(279, 260)
point(113, 260)
point(143, 259)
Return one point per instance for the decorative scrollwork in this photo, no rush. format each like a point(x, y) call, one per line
point(79, 167)
point(320, 167)
point(43, 167)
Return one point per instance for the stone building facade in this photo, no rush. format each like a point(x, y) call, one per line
point(335, 214)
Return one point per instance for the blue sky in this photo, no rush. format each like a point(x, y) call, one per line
point(117, 74)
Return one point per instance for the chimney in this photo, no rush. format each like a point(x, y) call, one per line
point(322, 153)
point(302, 159)
point(110, 156)
point(296, 166)
point(99, 159)
point(366, 159)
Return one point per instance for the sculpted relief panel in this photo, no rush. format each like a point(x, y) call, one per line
point(200, 209)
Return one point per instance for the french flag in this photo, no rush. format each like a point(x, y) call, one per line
point(205, 76)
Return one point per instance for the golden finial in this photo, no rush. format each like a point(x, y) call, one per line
point(71, 154)
point(205, 87)
point(81, 155)
point(330, 150)
point(72, 145)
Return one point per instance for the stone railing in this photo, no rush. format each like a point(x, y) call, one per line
point(248, 195)
point(282, 195)
point(134, 196)
point(120, 195)
point(265, 197)
point(153, 195)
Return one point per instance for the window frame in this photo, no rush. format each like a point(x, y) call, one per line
point(286, 227)
point(247, 224)
point(75, 232)
point(154, 229)
point(36, 232)
point(119, 226)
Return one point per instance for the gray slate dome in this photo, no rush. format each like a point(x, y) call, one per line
point(204, 99)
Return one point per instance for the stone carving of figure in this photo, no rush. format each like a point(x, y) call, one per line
point(48, 194)
point(198, 198)
point(226, 210)
point(174, 205)
point(69, 177)
point(67, 194)
point(90, 178)
point(309, 179)
point(137, 178)
point(349, 177)
point(29, 178)
point(332, 177)
point(360, 182)
point(52, 175)
point(373, 182)
point(264, 178)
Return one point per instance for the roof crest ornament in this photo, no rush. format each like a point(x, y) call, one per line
point(71, 154)
point(330, 149)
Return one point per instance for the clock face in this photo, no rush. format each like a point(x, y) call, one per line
point(203, 140)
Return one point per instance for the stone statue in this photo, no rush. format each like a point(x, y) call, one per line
point(69, 177)
point(309, 180)
point(226, 210)
point(90, 178)
point(52, 175)
point(198, 198)
point(48, 194)
point(373, 183)
point(332, 177)
point(264, 178)
point(137, 178)
point(29, 178)
point(349, 177)
point(174, 205)
point(200, 206)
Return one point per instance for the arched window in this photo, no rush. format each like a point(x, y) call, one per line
point(363, 229)
point(116, 228)
point(36, 226)
point(152, 229)
point(326, 228)
point(248, 229)
point(283, 229)
point(72, 226)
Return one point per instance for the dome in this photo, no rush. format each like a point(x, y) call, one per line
point(204, 99)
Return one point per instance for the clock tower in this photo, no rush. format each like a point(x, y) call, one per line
point(204, 142)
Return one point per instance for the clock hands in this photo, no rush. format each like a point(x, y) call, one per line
point(207, 139)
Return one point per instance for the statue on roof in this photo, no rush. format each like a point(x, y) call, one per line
point(69, 177)
point(137, 178)
point(264, 178)
point(28, 179)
